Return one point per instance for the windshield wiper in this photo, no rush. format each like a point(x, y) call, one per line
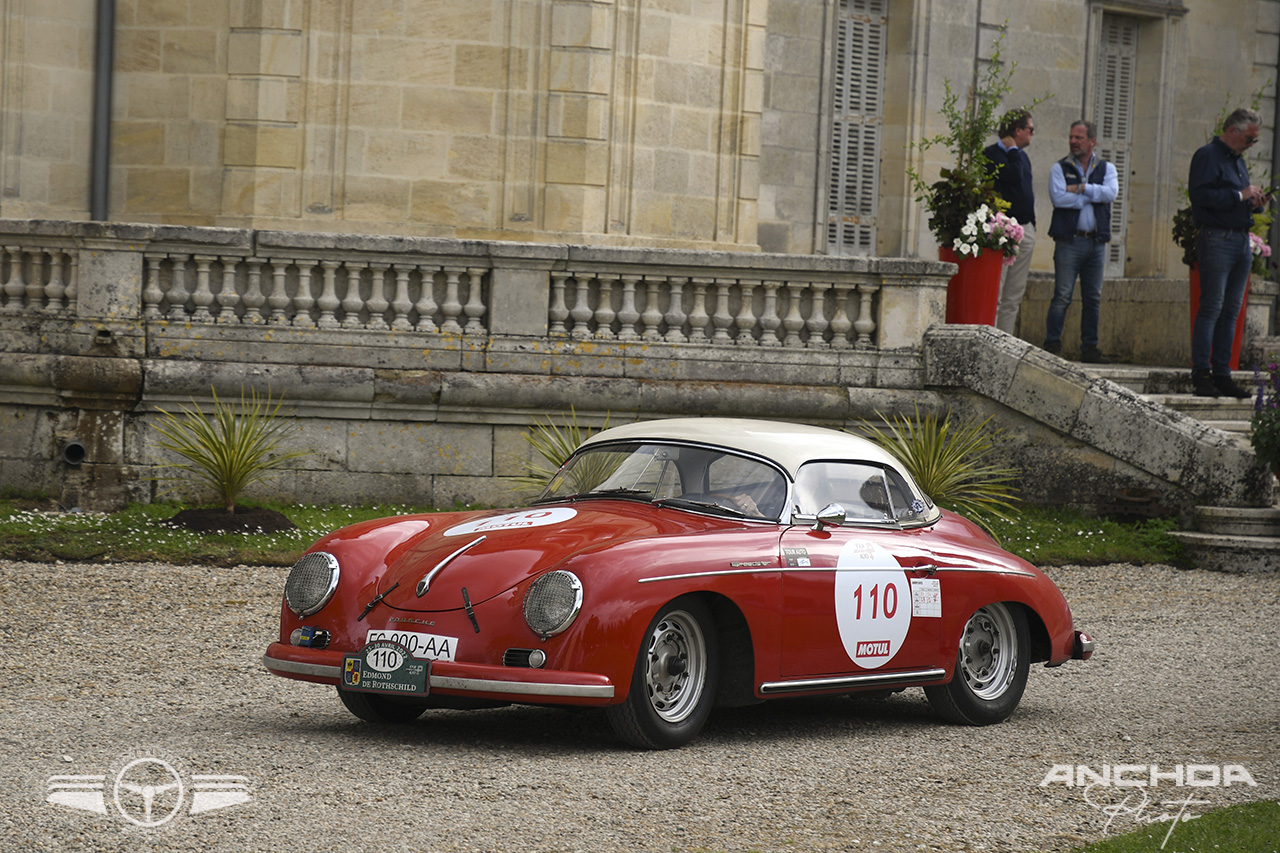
point(710, 506)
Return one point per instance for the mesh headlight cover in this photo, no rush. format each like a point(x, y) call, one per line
point(552, 603)
point(311, 583)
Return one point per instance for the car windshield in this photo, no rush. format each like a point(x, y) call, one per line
point(703, 479)
point(867, 492)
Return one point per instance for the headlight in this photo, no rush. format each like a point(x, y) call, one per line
point(552, 603)
point(311, 583)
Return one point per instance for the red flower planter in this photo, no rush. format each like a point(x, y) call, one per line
point(974, 291)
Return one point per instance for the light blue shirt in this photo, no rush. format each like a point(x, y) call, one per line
point(1103, 193)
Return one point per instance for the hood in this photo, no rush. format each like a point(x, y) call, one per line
point(490, 552)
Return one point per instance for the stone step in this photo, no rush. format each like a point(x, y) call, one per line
point(1238, 521)
point(1228, 553)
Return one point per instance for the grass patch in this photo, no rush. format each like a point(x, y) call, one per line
point(137, 534)
point(1246, 828)
point(1058, 537)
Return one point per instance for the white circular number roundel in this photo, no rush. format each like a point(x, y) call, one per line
point(515, 520)
point(873, 603)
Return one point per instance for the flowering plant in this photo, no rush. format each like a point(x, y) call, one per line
point(985, 229)
point(1261, 251)
point(1264, 428)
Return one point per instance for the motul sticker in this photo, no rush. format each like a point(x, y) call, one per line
point(873, 603)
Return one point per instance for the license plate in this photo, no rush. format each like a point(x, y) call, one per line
point(386, 667)
point(423, 646)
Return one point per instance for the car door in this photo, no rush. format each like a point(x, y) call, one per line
point(860, 596)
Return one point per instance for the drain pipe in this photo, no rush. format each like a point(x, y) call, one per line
point(103, 77)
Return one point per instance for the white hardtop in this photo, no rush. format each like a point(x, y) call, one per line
point(789, 445)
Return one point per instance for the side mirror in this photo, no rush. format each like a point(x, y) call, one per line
point(831, 515)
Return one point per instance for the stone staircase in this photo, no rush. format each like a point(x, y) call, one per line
point(1228, 539)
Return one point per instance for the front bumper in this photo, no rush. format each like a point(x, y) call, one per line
point(504, 683)
point(1082, 647)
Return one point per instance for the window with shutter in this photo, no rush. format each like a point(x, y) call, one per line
point(1114, 88)
point(853, 192)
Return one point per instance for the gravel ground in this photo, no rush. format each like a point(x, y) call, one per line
point(104, 665)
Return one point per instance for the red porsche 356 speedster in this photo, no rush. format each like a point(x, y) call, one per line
point(669, 567)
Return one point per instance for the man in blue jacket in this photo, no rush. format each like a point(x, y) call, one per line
point(1082, 187)
point(1222, 206)
point(1013, 184)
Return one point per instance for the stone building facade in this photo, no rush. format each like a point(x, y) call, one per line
point(781, 125)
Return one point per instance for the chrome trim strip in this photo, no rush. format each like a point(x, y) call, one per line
point(931, 569)
point(425, 583)
point(448, 682)
point(319, 670)
point(523, 688)
point(881, 678)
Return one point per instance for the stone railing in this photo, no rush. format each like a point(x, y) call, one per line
point(428, 286)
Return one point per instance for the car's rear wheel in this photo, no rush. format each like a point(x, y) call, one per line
point(373, 708)
point(991, 668)
point(674, 683)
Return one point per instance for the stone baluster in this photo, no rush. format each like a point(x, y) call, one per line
point(426, 305)
point(793, 322)
point(652, 315)
point(474, 309)
point(722, 319)
point(35, 282)
point(253, 298)
point(303, 300)
point(227, 296)
point(840, 322)
point(202, 298)
point(55, 289)
point(278, 300)
point(378, 303)
point(73, 281)
point(152, 293)
point(352, 302)
point(452, 308)
point(628, 316)
point(581, 310)
point(746, 319)
point(769, 319)
point(328, 302)
point(178, 293)
point(865, 325)
point(817, 322)
point(675, 315)
point(698, 318)
point(605, 314)
point(400, 304)
point(15, 287)
point(558, 312)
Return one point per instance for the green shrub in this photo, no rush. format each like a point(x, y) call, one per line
point(230, 451)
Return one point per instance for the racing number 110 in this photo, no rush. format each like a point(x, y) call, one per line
point(887, 608)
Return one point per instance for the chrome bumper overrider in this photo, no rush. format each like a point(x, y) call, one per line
point(455, 682)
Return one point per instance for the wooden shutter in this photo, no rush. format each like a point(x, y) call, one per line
point(854, 189)
point(1115, 80)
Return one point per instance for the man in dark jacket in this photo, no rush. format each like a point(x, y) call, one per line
point(1222, 206)
point(1013, 184)
point(1082, 187)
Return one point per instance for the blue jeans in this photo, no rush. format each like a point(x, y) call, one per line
point(1224, 259)
point(1072, 257)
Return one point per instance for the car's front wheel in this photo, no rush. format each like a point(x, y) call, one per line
point(373, 708)
point(991, 668)
point(674, 683)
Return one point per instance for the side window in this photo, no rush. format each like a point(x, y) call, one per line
point(867, 492)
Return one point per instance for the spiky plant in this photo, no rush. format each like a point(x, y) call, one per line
point(231, 450)
point(554, 443)
point(952, 463)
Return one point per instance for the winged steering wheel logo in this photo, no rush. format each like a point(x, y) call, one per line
point(148, 792)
